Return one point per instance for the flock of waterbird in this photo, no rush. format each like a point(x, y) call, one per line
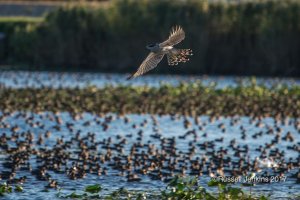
point(74, 145)
point(55, 136)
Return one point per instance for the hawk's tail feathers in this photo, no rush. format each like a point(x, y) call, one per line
point(180, 55)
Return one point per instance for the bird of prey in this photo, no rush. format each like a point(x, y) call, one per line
point(158, 50)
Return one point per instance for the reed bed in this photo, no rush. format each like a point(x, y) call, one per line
point(250, 38)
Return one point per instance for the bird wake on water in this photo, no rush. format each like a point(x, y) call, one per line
point(159, 50)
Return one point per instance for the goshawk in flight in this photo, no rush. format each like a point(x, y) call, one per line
point(158, 51)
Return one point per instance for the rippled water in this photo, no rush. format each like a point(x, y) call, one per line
point(21, 79)
point(252, 133)
point(164, 126)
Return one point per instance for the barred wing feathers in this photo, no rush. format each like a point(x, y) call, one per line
point(148, 64)
point(176, 36)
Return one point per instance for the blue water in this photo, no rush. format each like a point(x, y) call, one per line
point(167, 128)
point(23, 79)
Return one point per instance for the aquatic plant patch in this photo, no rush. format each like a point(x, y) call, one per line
point(187, 99)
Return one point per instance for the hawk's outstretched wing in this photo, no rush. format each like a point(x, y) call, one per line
point(177, 35)
point(149, 63)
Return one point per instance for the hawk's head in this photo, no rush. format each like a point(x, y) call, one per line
point(150, 46)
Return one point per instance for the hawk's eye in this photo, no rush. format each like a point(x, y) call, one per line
point(151, 45)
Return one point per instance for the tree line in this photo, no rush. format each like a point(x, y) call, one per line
point(250, 38)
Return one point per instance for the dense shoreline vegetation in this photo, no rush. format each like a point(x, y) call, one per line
point(188, 99)
point(251, 38)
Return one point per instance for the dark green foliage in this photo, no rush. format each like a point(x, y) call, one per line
point(93, 188)
point(177, 189)
point(17, 45)
point(257, 37)
point(186, 189)
point(4, 189)
point(74, 195)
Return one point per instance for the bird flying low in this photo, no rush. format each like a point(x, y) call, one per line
point(159, 50)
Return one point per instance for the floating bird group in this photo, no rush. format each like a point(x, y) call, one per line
point(61, 143)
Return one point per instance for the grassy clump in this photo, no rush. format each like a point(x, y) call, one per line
point(254, 37)
point(188, 99)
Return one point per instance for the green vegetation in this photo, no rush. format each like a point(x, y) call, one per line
point(93, 188)
point(256, 37)
point(177, 189)
point(189, 189)
point(4, 189)
point(11, 25)
point(188, 99)
point(118, 194)
point(19, 19)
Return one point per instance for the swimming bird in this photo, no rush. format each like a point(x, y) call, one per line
point(158, 50)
